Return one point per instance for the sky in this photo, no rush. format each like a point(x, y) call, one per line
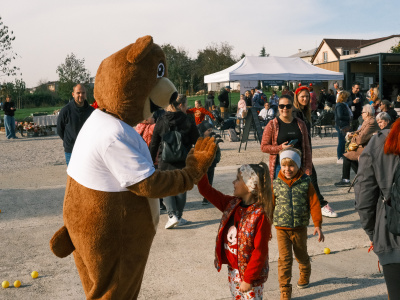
point(47, 31)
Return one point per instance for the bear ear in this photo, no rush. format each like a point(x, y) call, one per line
point(139, 49)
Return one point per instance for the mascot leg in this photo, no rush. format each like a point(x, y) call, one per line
point(112, 238)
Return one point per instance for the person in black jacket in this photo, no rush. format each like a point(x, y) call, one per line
point(175, 118)
point(210, 100)
point(9, 121)
point(342, 121)
point(71, 119)
point(223, 98)
point(355, 102)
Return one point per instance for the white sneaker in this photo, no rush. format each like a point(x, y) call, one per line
point(172, 221)
point(327, 211)
point(182, 222)
point(340, 161)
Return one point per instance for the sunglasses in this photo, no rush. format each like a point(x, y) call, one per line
point(288, 106)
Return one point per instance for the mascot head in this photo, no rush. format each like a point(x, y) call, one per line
point(131, 84)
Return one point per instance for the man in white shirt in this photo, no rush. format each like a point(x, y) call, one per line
point(266, 114)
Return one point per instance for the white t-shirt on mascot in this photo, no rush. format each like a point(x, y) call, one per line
point(109, 155)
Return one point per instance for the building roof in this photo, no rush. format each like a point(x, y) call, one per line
point(374, 41)
point(304, 53)
point(342, 43)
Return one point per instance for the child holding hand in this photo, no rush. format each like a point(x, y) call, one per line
point(294, 200)
point(245, 229)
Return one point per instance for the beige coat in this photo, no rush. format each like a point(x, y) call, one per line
point(362, 137)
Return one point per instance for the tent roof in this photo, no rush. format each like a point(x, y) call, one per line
point(272, 68)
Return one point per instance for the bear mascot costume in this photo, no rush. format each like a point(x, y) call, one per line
point(111, 209)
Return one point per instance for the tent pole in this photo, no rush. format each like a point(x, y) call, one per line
point(380, 75)
point(230, 100)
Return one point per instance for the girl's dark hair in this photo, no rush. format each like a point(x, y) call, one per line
point(264, 195)
point(180, 100)
point(290, 98)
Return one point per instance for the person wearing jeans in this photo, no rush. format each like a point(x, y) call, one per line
point(9, 121)
point(175, 205)
point(342, 120)
point(360, 138)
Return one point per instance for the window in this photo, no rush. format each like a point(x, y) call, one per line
point(325, 56)
point(346, 52)
point(355, 51)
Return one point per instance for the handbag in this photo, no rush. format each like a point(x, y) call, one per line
point(353, 146)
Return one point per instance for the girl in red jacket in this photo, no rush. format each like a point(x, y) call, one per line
point(245, 229)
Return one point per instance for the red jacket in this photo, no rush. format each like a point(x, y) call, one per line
point(145, 131)
point(254, 232)
point(199, 114)
point(269, 145)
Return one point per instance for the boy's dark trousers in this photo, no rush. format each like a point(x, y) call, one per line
point(296, 240)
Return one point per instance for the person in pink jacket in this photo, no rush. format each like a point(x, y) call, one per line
point(283, 132)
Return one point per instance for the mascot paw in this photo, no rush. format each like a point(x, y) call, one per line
point(61, 244)
point(201, 157)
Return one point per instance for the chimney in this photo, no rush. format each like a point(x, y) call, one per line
point(299, 50)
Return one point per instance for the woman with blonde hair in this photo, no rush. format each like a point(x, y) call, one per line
point(302, 110)
point(342, 120)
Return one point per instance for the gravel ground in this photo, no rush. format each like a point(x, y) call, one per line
point(180, 266)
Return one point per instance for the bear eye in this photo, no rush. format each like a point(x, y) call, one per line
point(160, 70)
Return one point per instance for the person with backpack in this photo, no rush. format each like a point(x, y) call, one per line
point(173, 137)
point(377, 195)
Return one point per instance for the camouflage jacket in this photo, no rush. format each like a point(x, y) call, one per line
point(292, 207)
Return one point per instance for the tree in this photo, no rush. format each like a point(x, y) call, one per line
point(395, 49)
point(213, 59)
point(178, 66)
point(70, 73)
point(7, 55)
point(263, 53)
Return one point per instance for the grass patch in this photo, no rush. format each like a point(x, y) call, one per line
point(21, 114)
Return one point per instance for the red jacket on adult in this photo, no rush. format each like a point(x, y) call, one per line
point(253, 234)
point(269, 145)
point(199, 114)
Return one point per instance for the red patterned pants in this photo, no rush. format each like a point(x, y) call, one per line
point(255, 293)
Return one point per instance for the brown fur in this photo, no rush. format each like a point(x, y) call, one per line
point(110, 233)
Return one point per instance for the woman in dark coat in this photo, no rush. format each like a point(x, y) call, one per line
point(377, 165)
point(175, 118)
point(343, 121)
point(360, 138)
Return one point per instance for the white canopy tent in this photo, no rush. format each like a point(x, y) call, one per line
point(273, 68)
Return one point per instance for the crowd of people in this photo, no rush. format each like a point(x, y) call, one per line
point(284, 193)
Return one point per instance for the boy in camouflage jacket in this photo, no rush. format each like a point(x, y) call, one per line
point(294, 199)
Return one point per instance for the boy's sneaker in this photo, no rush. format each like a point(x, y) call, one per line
point(182, 222)
point(343, 183)
point(327, 211)
point(172, 221)
point(340, 161)
point(303, 286)
point(204, 202)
